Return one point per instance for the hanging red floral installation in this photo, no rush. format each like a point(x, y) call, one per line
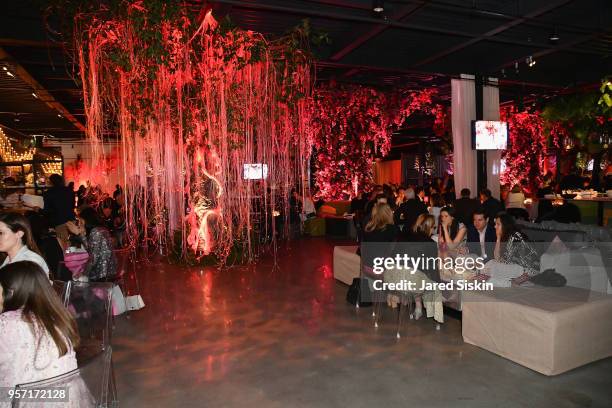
point(352, 125)
point(193, 101)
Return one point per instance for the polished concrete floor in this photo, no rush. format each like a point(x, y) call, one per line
point(283, 336)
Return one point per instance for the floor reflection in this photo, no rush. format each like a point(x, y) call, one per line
point(282, 335)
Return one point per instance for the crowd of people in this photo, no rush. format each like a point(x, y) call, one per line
point(483, 226)
point(37, 245)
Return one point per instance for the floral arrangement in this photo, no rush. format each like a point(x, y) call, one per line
point(352, 126)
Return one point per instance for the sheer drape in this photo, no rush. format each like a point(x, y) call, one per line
point(490, 99)
point(463, 112)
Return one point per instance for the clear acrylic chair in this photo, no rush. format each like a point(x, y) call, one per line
point(91, 385)
point(61, 288)
point(90, 304)
point(403, 300)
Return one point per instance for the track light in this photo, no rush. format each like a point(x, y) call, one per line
point(530, 61)
point(554, 36)
point(378, 6)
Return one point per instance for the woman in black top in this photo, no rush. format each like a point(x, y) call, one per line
point(379, 229)
point(421, 245)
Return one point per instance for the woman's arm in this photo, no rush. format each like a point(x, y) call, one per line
point(454, 243)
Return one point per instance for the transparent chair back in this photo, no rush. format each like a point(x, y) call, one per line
point(90, 304)
point(88, 386)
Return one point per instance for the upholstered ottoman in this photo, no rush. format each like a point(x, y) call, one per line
point(315, 227)
point(550, 330)
point(346, 263)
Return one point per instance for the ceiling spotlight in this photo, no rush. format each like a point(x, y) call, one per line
point(530, 61)
point(5, 68)
point(34, 95)
point(9, 73)
point(516, 67)
point(554, 36)
point(59, 116)
point(378, 6)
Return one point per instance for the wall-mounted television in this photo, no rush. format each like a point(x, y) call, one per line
point(489, 135)
point(255, 171)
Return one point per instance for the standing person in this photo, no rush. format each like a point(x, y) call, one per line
point(408, 212)
point(481, 236)
point(465, 206)
point(17, 242)
point(38, 333)
point(59, 207)
point(102, 263)
point(491, 206)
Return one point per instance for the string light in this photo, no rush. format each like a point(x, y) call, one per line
point(9, 154)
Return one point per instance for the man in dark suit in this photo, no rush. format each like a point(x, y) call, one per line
point(465, 207)
point(490, 205)
point(481, 235)
point(407, 213)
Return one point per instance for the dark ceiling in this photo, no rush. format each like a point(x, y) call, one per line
point(413, 43)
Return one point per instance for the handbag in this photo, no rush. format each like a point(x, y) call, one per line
point(134, 302)
point(76, 262)
point(118, 301)
point(359, 293)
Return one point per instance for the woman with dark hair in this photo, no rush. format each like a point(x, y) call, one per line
point(102, 263)
point(513, 246)
point(38, 333)
point(17, 242)
point(452, 237)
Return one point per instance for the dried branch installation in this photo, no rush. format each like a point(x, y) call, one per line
point(192, 101)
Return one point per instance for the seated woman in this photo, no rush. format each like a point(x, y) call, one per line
point(452, 237)
point(379, 229)
point(422, 245)
point(513, 247)
point(38, 333)
point(102, 263)
point(17, 242)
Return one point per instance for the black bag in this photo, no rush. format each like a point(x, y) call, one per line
point(359, 291)
point(549, 278)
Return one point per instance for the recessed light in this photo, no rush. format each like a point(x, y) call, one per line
point(378, 6)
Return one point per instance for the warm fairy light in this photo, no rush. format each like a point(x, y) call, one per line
point(52, 168)
point(9, 154)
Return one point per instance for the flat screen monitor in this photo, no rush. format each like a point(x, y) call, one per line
point(489, 135)
point(255, 171)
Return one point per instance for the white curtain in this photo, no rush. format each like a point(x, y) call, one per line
point(490, 100)
point(463, 111)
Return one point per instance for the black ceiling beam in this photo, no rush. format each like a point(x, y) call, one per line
point(445, 6)
point(489, 35)
point(13, 42)
point(538, 54)
point(379, 29)
point(334, 15)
